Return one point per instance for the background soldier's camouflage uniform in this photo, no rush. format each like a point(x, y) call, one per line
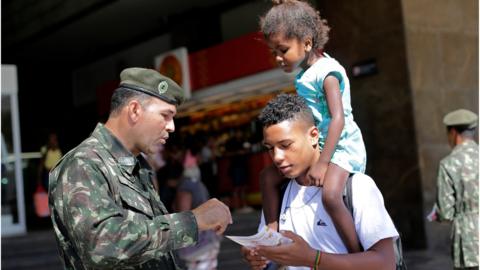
point(106, 213)
point(457, 201)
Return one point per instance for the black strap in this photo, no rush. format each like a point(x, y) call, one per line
point(347, 194)
point(347, 198)
point(283, 188)
point(397, 244)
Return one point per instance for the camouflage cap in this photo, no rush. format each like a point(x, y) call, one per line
point(461, 117)
point(153, 83)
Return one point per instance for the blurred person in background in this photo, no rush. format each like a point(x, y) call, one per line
point(237, 149)
point(457, 188)
point(191, 192)
point(170, 175)
point(50, 155)
point(208, 166)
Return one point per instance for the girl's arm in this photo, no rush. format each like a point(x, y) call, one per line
point(335, 107)
point(270, 183)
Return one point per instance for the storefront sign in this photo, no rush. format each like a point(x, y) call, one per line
point(174, 64)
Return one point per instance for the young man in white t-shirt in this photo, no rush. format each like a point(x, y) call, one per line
point(291, 137)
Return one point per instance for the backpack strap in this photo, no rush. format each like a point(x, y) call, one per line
point(347, 194)
point(398, 251)
point(347, 198)
point(283, 188)
point(397, 243)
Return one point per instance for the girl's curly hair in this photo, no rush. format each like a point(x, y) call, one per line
point(295, 19)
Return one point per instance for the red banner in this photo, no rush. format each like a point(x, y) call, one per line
point(230, 60)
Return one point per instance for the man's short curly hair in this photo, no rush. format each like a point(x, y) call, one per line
point(285, 107)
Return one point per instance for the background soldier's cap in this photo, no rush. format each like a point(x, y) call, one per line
point(151, 82)
point(461, 117)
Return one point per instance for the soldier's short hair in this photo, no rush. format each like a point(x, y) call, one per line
point(121, 96)
point(463, 130)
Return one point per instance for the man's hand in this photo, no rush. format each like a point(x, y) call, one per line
point(317, 172)
point(298, 253)
point(432, 216)
point(255, 261)
point(212, 215)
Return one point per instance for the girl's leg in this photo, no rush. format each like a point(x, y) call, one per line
point(270, 183)
point(333, 186)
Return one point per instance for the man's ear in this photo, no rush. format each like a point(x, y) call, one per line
point(134, 110)
point(313, 135)
point(452, 135)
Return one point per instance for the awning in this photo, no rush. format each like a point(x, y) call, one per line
point(225, 94)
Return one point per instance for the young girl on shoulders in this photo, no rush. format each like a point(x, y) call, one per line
point(297, 34)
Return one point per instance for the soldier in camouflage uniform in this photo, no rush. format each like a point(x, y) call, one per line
point(105, 211)
point(457, 188)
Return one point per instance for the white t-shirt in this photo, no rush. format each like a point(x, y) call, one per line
point(302, 212)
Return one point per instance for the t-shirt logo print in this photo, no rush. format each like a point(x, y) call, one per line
point(320, 222)
point(162, 87)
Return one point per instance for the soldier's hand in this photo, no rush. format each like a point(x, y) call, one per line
point(213, 215)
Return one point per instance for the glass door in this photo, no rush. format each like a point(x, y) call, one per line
point(11, 185)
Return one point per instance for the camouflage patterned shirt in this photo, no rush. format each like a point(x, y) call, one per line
point(457, 201)
point(106, 213)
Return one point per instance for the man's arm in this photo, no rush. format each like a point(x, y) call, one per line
point(380, 256)
point(107, 235)
point(445, 205)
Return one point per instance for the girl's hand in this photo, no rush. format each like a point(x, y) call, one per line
point(298, 253)
point(255, 261)
point(317, 172)
point(273, 225)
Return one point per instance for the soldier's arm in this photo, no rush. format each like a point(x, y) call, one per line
point(107, 235)
point(445, 195)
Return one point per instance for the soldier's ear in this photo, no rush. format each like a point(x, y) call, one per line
point(134, 110)
point(452, 136)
